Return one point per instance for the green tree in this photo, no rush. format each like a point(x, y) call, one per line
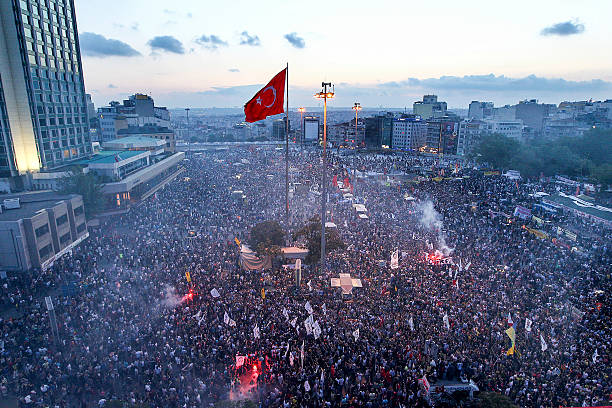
point(267, 237)
point(312, 233)
point(86, 185)
point(496, 150)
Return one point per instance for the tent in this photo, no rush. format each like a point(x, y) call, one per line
point(250, 261)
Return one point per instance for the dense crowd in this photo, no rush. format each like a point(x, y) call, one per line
point(139, 332)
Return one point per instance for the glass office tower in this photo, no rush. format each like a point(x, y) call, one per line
point(43, 109)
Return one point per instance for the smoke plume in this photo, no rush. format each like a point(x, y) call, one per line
point(431, 220)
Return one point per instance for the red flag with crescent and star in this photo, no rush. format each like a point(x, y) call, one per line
point(268, 101)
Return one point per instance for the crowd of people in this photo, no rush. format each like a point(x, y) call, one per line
point(138, 331)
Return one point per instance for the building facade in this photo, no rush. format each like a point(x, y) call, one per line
point(39, 229)
point(42, 93)
point(379, 130)
point(480, 110)
point(429, 107)
point(409, 133)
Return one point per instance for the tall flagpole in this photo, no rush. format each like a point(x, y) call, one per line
point(287, 154)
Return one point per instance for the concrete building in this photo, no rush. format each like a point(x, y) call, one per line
point(509, 128)
point(43, 227)
point(442, 135)
point(138, 110)
point(429, 107)
point(533, 113)
point(345, 134)
point(409, 133)
point(42, 95)
point(470, 132)
point(480, 110)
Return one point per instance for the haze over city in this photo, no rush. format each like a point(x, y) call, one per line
point(387, 54)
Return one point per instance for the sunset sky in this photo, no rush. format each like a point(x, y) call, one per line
point(380, 53)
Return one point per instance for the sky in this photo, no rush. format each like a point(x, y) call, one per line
point(194, 53)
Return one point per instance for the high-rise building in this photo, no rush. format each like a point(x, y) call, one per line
point(442, 134)
point(311, 129)
point(429, 107)
point(43, 108)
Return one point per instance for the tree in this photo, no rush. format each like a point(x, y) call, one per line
point(312, 233)
point(492, 400)
point(496, 150)
point(86, 185)
point(267, 237)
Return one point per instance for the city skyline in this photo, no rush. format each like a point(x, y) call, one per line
point(208, 55)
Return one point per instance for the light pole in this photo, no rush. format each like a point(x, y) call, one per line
point(302, 110)
point(356, 108)
point(324, 94)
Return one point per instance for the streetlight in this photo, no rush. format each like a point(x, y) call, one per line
point(324, 94)
point(356, 108)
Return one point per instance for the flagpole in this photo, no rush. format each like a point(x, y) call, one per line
point(287, 156)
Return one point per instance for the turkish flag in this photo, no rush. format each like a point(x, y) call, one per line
point(268, 101)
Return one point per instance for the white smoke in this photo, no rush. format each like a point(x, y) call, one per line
point(431, 220)
point(171, 299)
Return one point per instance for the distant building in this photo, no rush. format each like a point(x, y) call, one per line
point(442, 135)
point(533, 113)
point(155, 132)
point(345, 134)
point(379, 130)
point(409, 133)
point(311, 129)
point(480, 110)
point(509, 128)
point(506, 112)
point(138, 110)
point(429, 107)
point(279, 129)
point(38, 228)
point(470, 132)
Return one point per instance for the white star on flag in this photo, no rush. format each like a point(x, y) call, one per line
point(259, 100)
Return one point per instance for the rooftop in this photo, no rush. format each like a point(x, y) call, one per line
point(578, 204)
point(134, 142)
point(108, 156)
point(141, 130)
point(31, 203)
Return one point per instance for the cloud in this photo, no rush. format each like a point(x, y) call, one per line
point(96, 45)
point(112, 86)
point(135, 26)
point(233, 70)
point(564, 29)
point(294, 40)
point(166, 43)
point(246, 39)
point(211, 42)
point(502, 83)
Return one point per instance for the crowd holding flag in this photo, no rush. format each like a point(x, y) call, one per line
point(512, 334)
